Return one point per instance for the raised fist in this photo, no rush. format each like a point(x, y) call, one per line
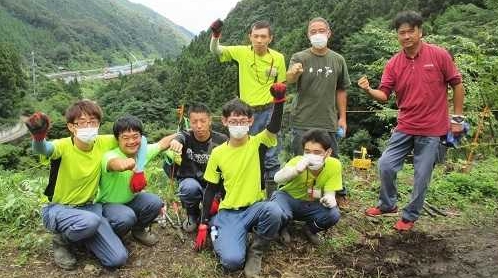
point(38, 125)
point(216, 28)
point(277, 90)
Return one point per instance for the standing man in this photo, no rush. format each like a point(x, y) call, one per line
point(259, 67)
point(71, 214)
point(419, 75)
point(243, 209)
point(195, 146)
point(322, 79)
point(125, 207)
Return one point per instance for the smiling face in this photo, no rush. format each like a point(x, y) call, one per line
point(129, 142)
point(409, 37)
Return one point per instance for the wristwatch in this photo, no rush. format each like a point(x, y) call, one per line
point(457, 119)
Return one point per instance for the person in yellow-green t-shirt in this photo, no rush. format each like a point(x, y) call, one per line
point(308, 184)
point(243, 209)
point(72, 215)
point(125, 206)
point(259, 67)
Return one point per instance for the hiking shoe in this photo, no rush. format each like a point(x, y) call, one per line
point(63, 257)
point(312, 237)
point(190, 224)
point(285, 236)
point(404, 225)
point(342, 202)
point(376, 211)
point(145, 237)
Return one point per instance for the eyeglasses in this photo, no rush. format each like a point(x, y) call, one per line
point(91, 123)
point(268, 73)
point(241, 122)
point(127, 138)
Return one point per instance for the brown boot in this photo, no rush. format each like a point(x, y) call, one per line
point(342, 202)
point(63, 257)
point(252, 268)
point(143, 236)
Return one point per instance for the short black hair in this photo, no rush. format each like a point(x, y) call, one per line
point(198, 108)
point(319, 136)
point(127, 123)
point(237, 107)
point(261, 24)
point(411, 18)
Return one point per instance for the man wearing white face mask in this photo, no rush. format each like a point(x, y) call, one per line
point(322, 79)
point(74, 177)
point(308, 185)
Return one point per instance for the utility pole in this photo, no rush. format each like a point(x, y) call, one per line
point(33, 67)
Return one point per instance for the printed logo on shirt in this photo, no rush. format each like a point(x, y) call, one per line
point(200, 158)
point(428, 66)
point(322, 71)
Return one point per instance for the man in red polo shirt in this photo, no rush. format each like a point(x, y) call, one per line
point(419, 75)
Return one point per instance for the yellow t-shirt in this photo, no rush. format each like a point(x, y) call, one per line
point(241, 170)
point(79, 171)
point(328, 180)
point(256, 73)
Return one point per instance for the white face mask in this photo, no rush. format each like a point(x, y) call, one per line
point(87, 135)
point(319, 40)
point(316, 161)
point(238, 131)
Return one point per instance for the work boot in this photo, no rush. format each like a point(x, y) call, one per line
point(62, 252)
point(314, 238)
point(143, 236)
point(190, 224)
point(254, 256)
point(342, 202)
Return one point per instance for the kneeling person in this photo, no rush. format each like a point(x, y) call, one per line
point(308, 186)
point(125, 207)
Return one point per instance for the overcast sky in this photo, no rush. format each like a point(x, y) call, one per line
point(195, 15)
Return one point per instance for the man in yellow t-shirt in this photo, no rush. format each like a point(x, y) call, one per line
point(308, 186)
point(240, 163)
point(259, 67)
point(71, 215)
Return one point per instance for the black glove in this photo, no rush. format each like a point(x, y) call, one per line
point(277, 90)
point(38, 125)
point(216, 28)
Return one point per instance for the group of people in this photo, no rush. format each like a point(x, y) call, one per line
point(233, 185)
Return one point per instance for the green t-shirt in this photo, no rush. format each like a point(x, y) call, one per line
point(256, 73)
point(315, 104)
point(79, 172)
point(241, 170)
point(115, 185)
point(328, 180)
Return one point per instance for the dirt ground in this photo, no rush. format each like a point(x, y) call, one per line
point(430, 250)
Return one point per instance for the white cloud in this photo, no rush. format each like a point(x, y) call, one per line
point(194, 15)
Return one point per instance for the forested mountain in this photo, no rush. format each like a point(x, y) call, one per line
point(78, 34)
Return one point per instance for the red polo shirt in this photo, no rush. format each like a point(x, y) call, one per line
point(421, 87)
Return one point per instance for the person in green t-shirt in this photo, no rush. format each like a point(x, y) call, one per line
point(123, 205)
point(259, 67)
point(72, 215)
point(322, 78)
point(308, 184)
point(243, 209)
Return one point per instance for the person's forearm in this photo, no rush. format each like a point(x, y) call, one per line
point(42, 147)
point(285, 174)
point(164, 143)
point(207, 201)
point(276, 118)
point(342, 102)
point(215, 47)
point(458, 96)
point(377, 94)
point(291, 77)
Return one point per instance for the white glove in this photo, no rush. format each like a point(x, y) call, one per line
point(328, 200)
point(302, 164)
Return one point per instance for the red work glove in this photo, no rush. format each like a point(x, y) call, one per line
point(38, 125)
point(200, 240)
point(216, 28)
point(137, 182)
point(214, 207)
point(277, 90)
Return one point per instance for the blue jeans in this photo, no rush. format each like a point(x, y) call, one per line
point(139, 212)
point(85, 224)
point(261, 120)
point(297, 149)
point(233, 225)
point(425, 151)
point(317, 217)
point(190, 192)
